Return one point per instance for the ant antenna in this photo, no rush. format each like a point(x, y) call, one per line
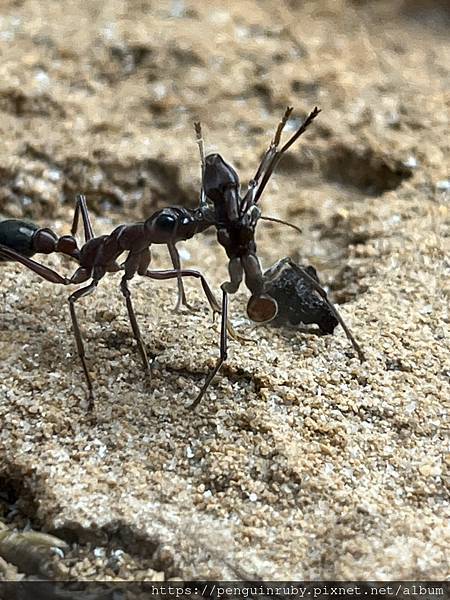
point(201, 147)
point(274, 220)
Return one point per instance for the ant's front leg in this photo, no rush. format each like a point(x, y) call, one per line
point(172, 273)
point(236, 273)
point(223, 310)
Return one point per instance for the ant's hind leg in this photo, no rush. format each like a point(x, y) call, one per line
point(133, 264)
point(8, 254)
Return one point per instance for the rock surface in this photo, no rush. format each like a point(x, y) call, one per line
point(301, 462)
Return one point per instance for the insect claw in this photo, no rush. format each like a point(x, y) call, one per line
point(178, 308)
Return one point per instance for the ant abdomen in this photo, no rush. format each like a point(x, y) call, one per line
point(18, 235)
point(28, 239)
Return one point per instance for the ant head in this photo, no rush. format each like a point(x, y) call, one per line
point(221, 185)
point(262, 308)
point(218, 178)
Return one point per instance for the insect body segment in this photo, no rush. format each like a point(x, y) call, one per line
point(28, 239)
point(235, 218)
point(235, 223)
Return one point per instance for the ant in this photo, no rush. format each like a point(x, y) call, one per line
point(235, 218)
point(20, 240)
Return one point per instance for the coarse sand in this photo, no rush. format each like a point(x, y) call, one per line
point(300, 462)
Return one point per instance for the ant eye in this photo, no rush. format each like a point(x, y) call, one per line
point(262, 308)
point(165, 222)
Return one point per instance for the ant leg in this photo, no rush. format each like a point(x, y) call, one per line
point(319, 289)
point(79, 276)
point(41, 270)
point(172, 273)
point(223, 349)
point(174, 255)
point(134, 263)
point(78, 337)
point(236, 273)
point(81, 206)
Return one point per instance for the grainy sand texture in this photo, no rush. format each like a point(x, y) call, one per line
point(300, 462)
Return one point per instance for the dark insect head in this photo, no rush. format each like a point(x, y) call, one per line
point(221, 186)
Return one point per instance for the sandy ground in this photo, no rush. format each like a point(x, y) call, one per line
point(301, 462)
